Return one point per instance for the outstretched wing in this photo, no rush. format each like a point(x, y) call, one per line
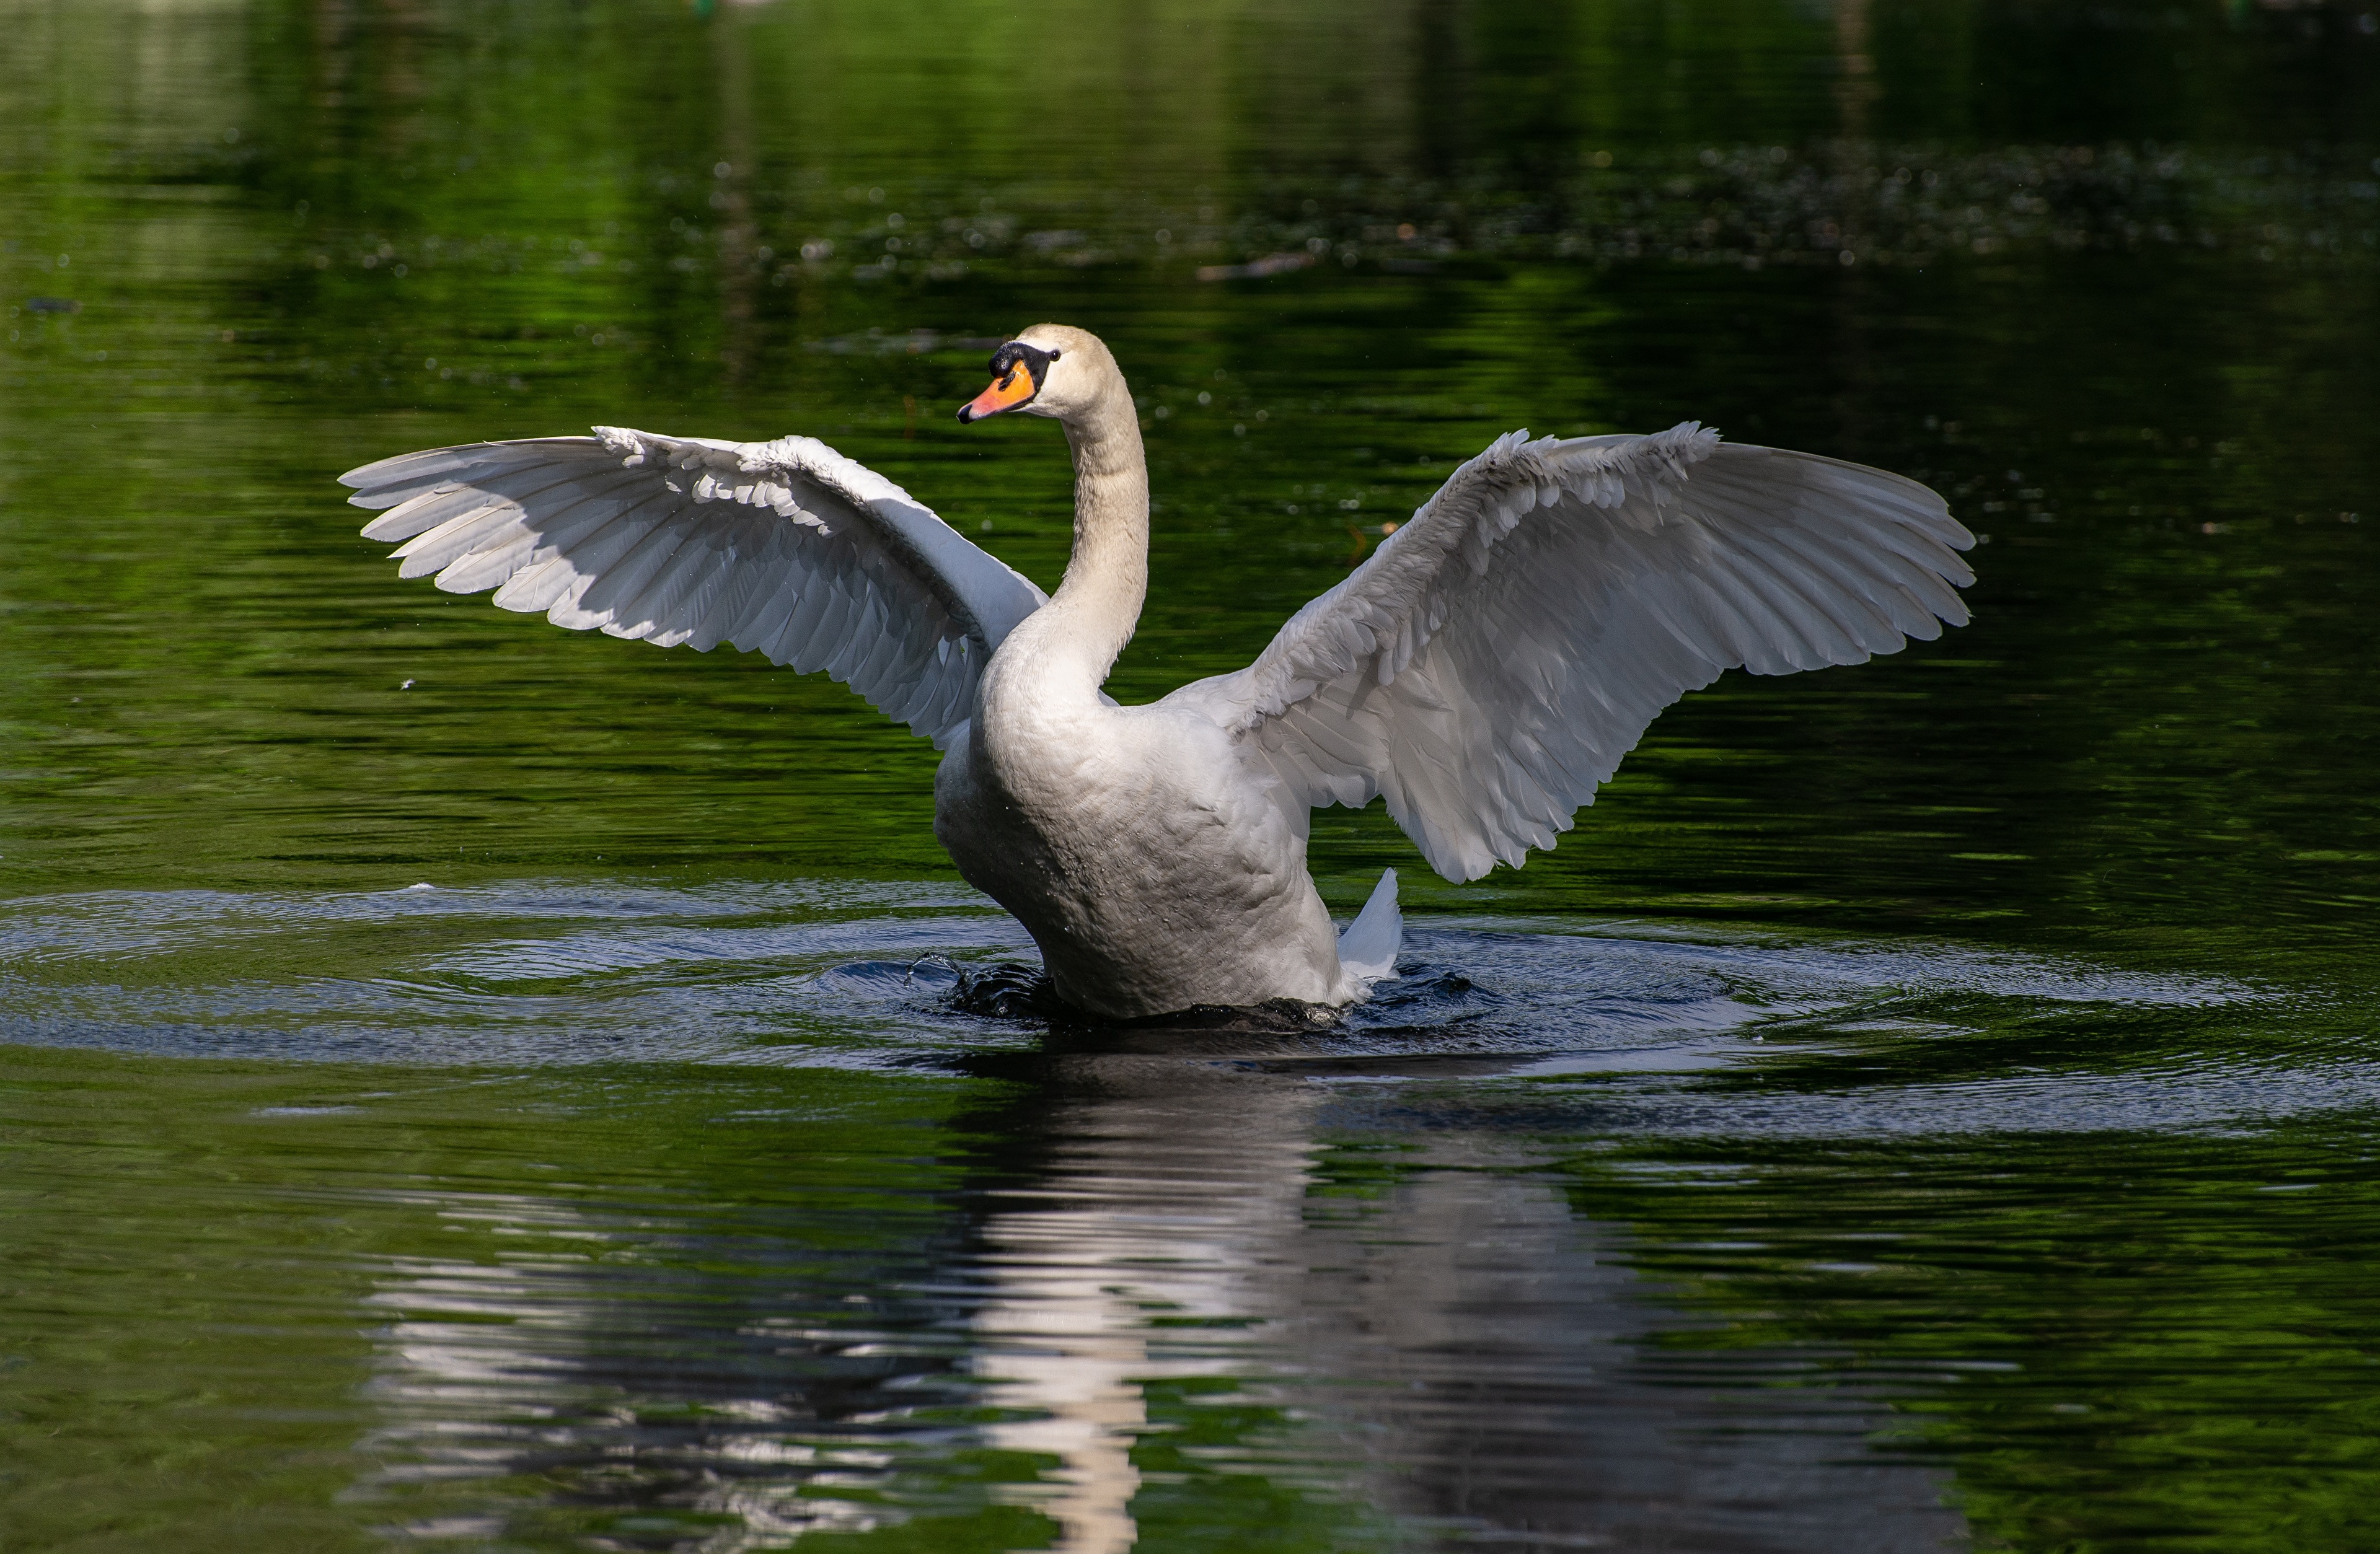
point(782, 548)
point(1498, 655)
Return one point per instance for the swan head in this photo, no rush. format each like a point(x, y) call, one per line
point(1048, 370)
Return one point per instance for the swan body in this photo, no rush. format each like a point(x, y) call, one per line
point(1153, 870)
point(1485, 670)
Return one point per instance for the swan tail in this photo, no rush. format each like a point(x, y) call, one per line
point(1368, 949)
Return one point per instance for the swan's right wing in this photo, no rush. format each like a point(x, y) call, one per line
point(1492, 662)
point(785, 548)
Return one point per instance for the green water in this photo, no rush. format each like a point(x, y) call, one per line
point(473, 1085)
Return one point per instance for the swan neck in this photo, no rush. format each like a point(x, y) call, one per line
point(1107, 578)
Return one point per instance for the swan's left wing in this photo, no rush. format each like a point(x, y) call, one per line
point(785, 548)
point(1492, 662)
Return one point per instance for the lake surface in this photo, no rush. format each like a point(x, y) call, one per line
point(469, 1086)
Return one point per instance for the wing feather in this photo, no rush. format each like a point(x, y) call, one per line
point(503, 554)
point(1495, 658)
point(735, 596)
point(815, 649)
point(535, 587)
point(802, 625)
point(759, 625)
point(786, 548)
point(505, 488)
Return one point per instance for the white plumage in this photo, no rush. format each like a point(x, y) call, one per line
point(1485, 669)
point(785, 548)
point(1490, 665)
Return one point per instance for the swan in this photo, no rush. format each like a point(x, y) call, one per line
point(1484, 670)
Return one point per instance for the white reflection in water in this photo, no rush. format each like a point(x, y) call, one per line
point(496, 1378)
point(1455, 1350)
point(1175, 1193)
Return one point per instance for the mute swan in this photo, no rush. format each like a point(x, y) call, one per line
point(1485, 670)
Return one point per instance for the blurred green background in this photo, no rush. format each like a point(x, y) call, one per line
point(2108, 275)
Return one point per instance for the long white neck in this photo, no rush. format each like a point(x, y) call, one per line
point(1090, 619)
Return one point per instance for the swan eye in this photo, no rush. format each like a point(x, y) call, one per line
point(1055, 355)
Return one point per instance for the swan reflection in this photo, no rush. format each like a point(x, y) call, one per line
point(1174, 1195)
point(1459, 1350)
point(1429, 1338)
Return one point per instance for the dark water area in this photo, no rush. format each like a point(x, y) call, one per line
point(465, 1085)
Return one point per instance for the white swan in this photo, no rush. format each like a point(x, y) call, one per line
point(1485, 669)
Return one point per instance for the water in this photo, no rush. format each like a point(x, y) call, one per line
point(471, 1086)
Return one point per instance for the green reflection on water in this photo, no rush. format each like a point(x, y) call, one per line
point(2110, 286)
point(2174, 1354)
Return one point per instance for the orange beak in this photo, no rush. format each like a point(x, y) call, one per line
point(1006, 393)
